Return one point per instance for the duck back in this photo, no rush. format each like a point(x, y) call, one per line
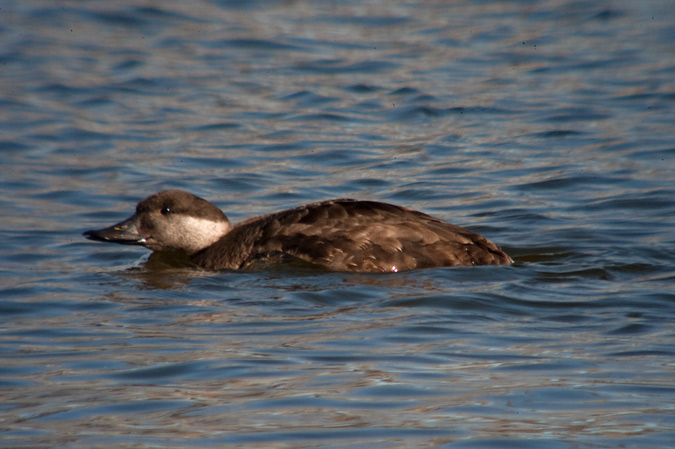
point(350, 235)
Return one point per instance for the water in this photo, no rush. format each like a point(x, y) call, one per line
point(547, 126)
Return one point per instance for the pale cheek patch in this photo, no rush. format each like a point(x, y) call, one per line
point(194, 234)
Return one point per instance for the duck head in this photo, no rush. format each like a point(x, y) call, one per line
point(169, 220)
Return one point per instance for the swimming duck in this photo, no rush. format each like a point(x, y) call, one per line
point(338, 234)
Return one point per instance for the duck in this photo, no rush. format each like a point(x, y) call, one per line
point(341, 234)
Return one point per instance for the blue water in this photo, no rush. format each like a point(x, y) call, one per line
point(546, 126)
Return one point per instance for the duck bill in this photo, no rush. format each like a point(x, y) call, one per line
point(125, 232)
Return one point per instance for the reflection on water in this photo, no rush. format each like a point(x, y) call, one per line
point(546, 127)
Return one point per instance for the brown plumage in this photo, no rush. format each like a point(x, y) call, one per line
point(340, 235)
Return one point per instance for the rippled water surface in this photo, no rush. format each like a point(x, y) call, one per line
point(547, 126)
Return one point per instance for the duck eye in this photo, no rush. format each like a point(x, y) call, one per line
point(166, 211)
